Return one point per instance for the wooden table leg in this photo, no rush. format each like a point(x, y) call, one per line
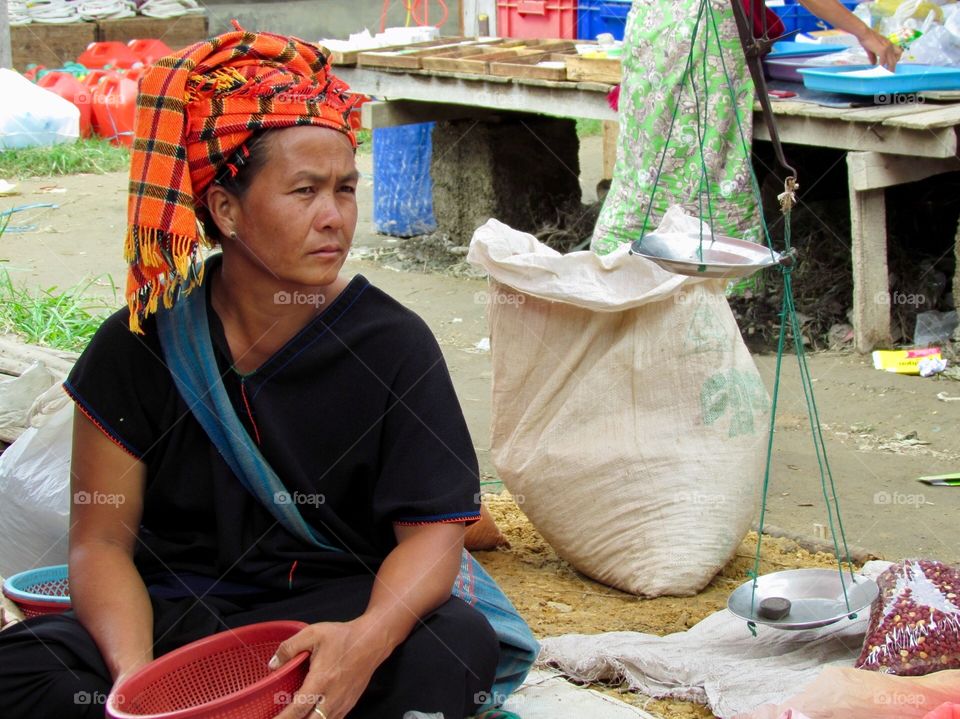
point(868, 174)
point(871, 298)
point(611, 130)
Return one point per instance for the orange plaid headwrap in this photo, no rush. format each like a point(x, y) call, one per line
point(195, 109)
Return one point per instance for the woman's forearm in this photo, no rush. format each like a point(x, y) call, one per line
point(112, 603)
point(879, 49)
point(837, 15)
point(414, 579)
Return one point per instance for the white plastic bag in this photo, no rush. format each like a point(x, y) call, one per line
point(35, 494)
point(18, 394)
point(626, 410)
point(937, 46)
point(33, 116)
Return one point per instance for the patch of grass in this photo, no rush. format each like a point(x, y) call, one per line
point(62, 320)
point(588, 128)
point(364, 142)
point(92, 156)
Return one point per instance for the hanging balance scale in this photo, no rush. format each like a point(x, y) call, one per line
point(802, 598)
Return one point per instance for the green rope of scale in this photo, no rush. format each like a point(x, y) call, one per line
point(788, 315)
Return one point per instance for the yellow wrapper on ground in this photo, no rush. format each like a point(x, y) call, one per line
point(903, 361)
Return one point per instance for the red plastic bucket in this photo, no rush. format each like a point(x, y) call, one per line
point(112, 53)
point(115, 108)
point(70, 88)
point(149, 50)
point(223, 676)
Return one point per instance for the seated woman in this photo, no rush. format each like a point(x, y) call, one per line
point(279, 443)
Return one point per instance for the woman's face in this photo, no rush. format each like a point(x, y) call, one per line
point(296, 220)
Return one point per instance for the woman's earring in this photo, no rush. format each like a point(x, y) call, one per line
point(233, 235)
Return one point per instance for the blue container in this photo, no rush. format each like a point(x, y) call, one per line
point(595, 17)
point(905, 80)
point(796, 18)
point(402, 188)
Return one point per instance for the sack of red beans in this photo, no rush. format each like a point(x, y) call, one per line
point(915, 622)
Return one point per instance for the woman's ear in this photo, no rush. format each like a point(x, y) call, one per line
point(223, 208)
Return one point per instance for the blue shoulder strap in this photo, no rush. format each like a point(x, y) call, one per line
point(188, 350)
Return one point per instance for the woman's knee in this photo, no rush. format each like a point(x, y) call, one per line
point(456, 646)
point(51, 667)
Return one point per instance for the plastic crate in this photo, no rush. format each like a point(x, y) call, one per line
point(595, 17)
point(537, 19)
point(796, 18)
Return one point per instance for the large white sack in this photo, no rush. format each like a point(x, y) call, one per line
point(35, 490)
point(626, 410)
point(33, 116)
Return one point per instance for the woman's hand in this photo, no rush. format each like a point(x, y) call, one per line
point(414, 579)
point(343, 657)
point(880, 50)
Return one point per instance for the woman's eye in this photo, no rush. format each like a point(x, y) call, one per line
point(349, 189)
point(308, 190)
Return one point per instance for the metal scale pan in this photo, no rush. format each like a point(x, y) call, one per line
point(815, 595)
point(716, 256)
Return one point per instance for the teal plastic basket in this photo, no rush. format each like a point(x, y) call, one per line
point(45, 590)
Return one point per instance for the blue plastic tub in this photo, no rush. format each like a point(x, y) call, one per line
point(402, 187)
point(595, 17)
point(906, 79)
point(796, 18)
point(788, 48)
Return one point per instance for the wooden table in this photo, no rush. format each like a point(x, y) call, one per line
point(885, 146)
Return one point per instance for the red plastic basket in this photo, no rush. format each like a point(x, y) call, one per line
point(223, 676)
point(39, 591)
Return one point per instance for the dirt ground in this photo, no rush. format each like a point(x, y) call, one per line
point(882, 431)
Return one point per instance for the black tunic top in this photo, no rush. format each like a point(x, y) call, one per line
point(356, 414)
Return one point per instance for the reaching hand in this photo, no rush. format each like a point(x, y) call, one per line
point(880, 50)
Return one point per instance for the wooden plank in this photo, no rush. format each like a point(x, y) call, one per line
point(177, 32)
point(874, 170)
point(827, 132)
point(948, 116)
point(480, 64)
point(941, 95)
point(6, 57)
point(407, 112)
point(450, 60)
point(604, 87)
point(593, 69)
point(886, 112)
point(611, 131)
point(348, 58)
point(806, 109)
point(868, 229)
point(532, 66)
point(48, 44)
point(476, 64)
point(499, 93)
point(406, 58)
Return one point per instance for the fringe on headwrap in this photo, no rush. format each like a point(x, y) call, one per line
point(194, 109)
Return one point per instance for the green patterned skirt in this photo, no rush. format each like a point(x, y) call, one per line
point(658, 41)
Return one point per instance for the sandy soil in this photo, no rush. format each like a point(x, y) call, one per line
point(556, 599)
point(882, 430)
